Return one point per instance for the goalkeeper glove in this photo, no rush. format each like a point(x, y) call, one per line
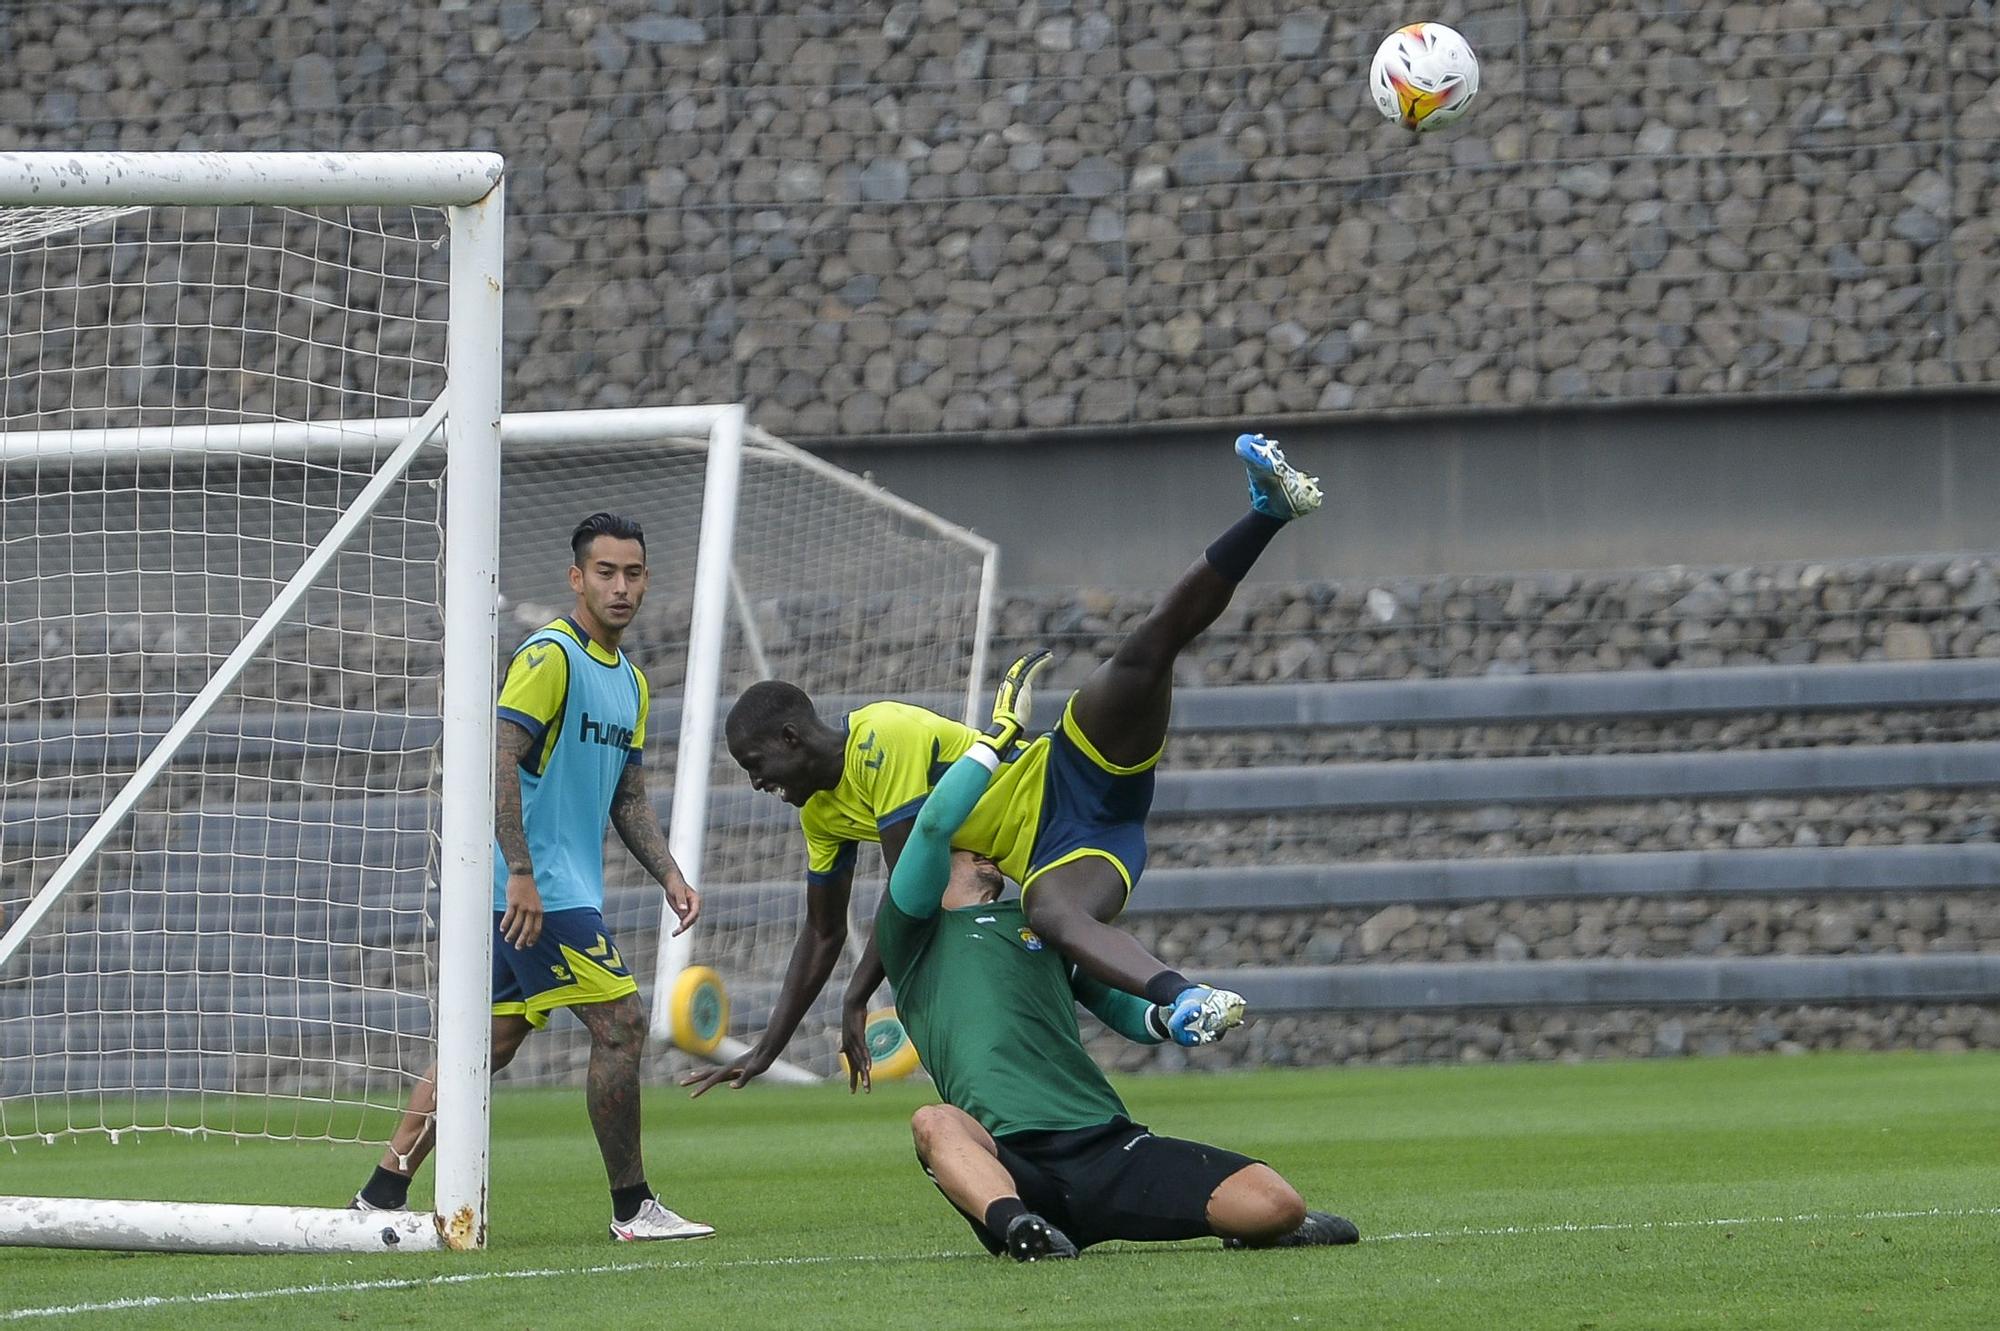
point(1201, 1015)
point(1014, 703)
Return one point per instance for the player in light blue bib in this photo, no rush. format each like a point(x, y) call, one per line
point(571, 743)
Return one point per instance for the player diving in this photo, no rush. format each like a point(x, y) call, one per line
point(1064, 815)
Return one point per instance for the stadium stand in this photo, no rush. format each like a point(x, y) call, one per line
point(1390, 868)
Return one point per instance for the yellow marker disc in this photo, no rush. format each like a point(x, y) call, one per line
point(890, 1053)
point(700, 1010)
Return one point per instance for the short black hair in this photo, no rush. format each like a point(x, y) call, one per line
point(604, 524)
point(767, 705)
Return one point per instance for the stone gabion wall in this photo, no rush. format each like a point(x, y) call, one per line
point(1568, 1034)
point(1796, 613)
point(1905, 609)
point(919, 216)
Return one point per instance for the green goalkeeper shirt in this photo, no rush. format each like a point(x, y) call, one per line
point(989, 1006)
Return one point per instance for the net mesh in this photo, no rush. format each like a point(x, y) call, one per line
point(850, 594)
point(250, 951)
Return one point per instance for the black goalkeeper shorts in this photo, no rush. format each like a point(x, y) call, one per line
point(1116, 1181)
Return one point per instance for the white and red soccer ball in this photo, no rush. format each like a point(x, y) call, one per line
point(1424, 76)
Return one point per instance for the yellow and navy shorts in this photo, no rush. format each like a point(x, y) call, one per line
point(574, 962)
point(1090, 807)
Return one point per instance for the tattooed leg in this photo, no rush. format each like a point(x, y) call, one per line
point(617, 1040)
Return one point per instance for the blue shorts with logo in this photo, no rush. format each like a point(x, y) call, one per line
point(574, 962)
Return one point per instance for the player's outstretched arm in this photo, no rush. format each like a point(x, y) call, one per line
point(1131, 1016)
point(813, 956)
point(639, 828)
point(1014, 702)
point(923, 870)
point(869, 973)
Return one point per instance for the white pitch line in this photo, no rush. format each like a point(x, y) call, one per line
point(620, 1268)
point(1637, 1226)
point(464, 1278)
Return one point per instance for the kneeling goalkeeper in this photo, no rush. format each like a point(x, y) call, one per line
point(1031, 1144)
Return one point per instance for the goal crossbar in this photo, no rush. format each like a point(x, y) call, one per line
point(304, 179)
point(519, 430)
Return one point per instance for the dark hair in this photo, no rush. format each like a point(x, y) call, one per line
point(604, 524)
point(767, 705)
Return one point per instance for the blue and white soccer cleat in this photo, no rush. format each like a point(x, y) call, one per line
point(1277, 488)
point(1201, 1014)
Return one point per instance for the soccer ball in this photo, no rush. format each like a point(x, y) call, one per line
point(1424, 76)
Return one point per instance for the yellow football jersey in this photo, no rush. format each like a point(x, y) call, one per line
point(895, 755)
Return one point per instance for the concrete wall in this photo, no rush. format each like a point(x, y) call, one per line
point(1543, 489)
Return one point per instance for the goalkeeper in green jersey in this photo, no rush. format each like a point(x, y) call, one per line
point(1031, 1144)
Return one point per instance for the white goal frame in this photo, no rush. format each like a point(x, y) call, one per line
point(469, 187)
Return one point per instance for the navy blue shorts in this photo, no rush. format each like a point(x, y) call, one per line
point(574, 962)
point(1090, 807)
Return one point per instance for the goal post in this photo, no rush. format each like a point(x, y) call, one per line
point(110, 408)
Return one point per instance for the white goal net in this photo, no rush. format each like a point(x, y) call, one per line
point(236, 653)
point(223, 434)
point(826, 580)
point(258, 924)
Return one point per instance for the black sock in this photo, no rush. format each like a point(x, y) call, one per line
point(625, 1202)
point(387, 1190)
point(1001, 1214)
point(1165, 987)
point(1233, 552)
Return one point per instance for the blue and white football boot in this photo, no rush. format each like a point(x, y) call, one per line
point(1277, 488)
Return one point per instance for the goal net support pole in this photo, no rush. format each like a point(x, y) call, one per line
point(718, 590)
point(687, 823)
point(218, 684)
point(468, 186)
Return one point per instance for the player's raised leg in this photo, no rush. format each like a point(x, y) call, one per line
point(963, 1161)
point(1123, 705)
point(1121, 712)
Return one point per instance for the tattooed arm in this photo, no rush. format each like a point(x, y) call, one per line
point(639, 828)
point(521, 925)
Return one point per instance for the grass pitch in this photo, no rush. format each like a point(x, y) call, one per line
point(1836, 1191)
